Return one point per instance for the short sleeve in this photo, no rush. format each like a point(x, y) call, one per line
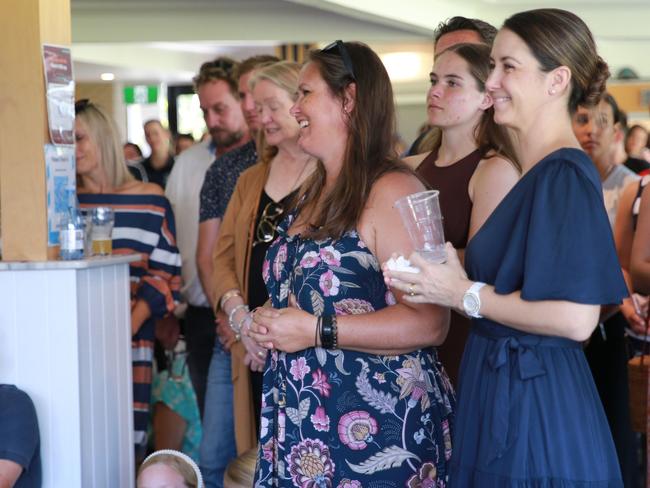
point(568, 248)
point(210, 194)
point(18, 427)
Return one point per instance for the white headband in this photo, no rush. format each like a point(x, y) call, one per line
point(185, 458)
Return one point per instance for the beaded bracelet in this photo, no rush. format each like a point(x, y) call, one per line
point(335, 333)
point(231, 317)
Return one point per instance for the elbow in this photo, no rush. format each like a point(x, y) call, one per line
point(582, 328)
point(581, 334)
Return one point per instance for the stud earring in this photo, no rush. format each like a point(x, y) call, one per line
point(551, 91)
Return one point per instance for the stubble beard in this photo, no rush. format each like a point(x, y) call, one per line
point(226, 139)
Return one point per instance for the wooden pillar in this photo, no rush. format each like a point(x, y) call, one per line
point(24, 26)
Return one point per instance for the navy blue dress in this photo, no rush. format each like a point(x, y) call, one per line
point(529, 414)
point(342, 418)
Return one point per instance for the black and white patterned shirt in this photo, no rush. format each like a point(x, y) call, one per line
point(221, 178)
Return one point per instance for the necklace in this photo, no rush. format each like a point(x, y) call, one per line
point(300, 174)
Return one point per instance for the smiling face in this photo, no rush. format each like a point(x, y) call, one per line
point(272, 105)
point(322, 120)
point(454, 98)
point(518, 87)
point(87, 153)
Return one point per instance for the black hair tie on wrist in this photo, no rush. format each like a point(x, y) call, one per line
point(328, 333)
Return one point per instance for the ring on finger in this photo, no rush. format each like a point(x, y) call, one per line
point(261, 354)
point(411, 291)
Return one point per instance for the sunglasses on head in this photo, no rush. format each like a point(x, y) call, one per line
point(81, 105)
point(339, 47)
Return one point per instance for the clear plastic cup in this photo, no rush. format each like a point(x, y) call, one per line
point(421, 216)
point(101, 232)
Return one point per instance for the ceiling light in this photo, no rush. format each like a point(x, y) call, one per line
point(107, 76)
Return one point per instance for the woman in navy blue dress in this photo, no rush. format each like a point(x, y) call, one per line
point(536, 274)
point(353, 394)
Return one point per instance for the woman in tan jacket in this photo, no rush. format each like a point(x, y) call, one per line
point(257, 205)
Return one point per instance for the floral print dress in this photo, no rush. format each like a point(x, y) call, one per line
point(342, 418)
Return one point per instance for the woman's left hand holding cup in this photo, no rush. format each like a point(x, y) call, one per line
point(441, 284)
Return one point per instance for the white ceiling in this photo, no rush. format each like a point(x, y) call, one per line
point(166, 40)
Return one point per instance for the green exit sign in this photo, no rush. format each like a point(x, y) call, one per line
point(140, 94)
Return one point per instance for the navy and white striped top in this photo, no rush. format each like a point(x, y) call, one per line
point(144, 224)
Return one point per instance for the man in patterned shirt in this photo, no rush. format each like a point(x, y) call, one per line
point(218, 444)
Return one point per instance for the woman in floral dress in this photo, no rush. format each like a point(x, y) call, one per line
point(353, 392)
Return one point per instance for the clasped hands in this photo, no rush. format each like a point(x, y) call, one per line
point(441, 284)
point(255, 357)
point(287, 329)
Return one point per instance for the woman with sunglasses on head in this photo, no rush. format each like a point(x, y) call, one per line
point(144, 224)
point(473, 164)
point(353, 392)
point(537, 273)
point(249, 225)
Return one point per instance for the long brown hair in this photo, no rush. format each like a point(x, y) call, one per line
point(490, 137)
point(369, 150)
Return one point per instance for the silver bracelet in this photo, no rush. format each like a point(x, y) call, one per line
point(231, 317)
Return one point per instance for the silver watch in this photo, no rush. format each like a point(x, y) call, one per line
point(472, 300)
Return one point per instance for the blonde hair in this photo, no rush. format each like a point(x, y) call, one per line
point(103, 132)
point(284, 75)
point(179, 462)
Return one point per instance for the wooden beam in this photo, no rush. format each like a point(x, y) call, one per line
point(24, 26)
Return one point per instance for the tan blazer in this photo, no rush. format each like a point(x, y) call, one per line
point(231, 262)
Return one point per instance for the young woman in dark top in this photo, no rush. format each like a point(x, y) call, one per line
point(473, 166)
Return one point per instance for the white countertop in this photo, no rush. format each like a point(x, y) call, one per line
point(94, 262)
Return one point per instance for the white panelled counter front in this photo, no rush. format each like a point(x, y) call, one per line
point(65, 339)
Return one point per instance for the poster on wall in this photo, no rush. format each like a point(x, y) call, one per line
point(60, 174)
point(59, 89)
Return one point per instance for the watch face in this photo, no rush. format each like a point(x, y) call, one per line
point(470, 304)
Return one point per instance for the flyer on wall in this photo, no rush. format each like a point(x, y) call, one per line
point(59, 89)
point(60, 174)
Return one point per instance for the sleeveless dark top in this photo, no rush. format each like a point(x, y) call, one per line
point(456, 207)
point(452, 182)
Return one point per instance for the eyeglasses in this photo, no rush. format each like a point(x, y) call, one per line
point(339, 47)
point(268, 223)
point(81, 105)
